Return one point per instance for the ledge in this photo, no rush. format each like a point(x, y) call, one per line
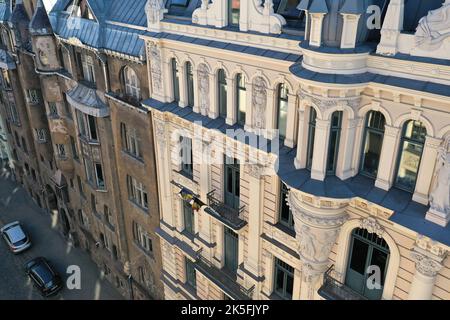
point(87, 101)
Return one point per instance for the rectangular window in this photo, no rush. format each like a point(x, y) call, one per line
point(284, 279)
point(80, 186)
point(33, 96)
point(188, 214)
point(142, 238)
point(108, 216)
point(234, 12)
point(130, 141)
point(61, 151)
point(52, 109)
point(74, 148)
point(191, 278)
point(88, 68)
point(99, 176)
point(89, 171)
point(285, 217)
point(186, 155)
point(41, 135)
point(137, 192)
point(92, 128)
point(24, 145)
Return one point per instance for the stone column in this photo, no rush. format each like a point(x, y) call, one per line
point(249, 107)
point(291, 117)
point(346, 169)
point(231, 102)
point(317, 229)
point(387, 158)
point(196, 106)
point(392, 26)
point(163, 164)
point(302, 143)
point(426, 169)
point(271, 113)
point(321, 138)
point(213, 105)
point(255, 218)
point(315, 36)
point(428, 257)
point(183, 85)
point(349, 30)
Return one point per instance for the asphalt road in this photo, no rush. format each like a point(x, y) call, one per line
point(15, 204)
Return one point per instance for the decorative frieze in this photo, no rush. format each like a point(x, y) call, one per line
point(372, 226)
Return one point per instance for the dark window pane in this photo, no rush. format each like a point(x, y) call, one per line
point(359, 256)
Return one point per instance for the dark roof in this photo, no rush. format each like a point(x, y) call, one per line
point(40, 24)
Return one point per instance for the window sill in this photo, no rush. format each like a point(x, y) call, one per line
point(135, 204)
point(88, 141)
point(186, 175)
point(133, 157)
point(282, 227)
point(149, 254)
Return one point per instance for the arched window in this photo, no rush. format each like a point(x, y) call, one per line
point(373, 140)
point(190, 84)
point(368, 256)
point(282, 109)
point(175, 80)
point(234, 12)
point(131, 80)
point(311, 135)
point(410, 154)
point(333, 144)
point(241, 98)
point(222, 93)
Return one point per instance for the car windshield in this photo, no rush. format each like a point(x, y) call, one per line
point(43, 272)
point(16, 234)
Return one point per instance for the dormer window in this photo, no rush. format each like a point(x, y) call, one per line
point(80, 9)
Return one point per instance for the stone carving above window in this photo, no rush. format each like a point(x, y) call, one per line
point(433, 29)
point(155, 12)
point(203, 84)
point(154, 55)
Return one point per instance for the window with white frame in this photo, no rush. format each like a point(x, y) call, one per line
point(61, 151)
point(84, 220)
point(41, 135)
point(87, 126)
point(52, 109)
point(142, 238)
point(132, 87)
point(130, 141)
point(137, 192)
point(88, 68)
point(33, 96)
point(99, 176)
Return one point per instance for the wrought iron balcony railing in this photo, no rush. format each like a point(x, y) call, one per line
point(333, 289)
point(228, 215)
point(223, 279)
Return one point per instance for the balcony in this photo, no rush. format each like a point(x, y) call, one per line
point(223, 279)
point(333, 289)
point(229, 216)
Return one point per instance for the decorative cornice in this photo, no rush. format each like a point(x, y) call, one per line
point(371, 224)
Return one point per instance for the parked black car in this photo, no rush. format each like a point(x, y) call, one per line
point(46, 279)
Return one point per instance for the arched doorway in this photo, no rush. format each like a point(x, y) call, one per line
point(369, 255)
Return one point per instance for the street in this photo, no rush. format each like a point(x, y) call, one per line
point(15, 204)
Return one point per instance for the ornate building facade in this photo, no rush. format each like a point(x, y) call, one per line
point(302, 152)
point(276, 149)
point(80, 141)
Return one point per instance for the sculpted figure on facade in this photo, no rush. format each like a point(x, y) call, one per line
point(440, 189)
point(203, 84)
point(259, 102)
point(155, 67)
point(155, 11)
point(434, 28)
